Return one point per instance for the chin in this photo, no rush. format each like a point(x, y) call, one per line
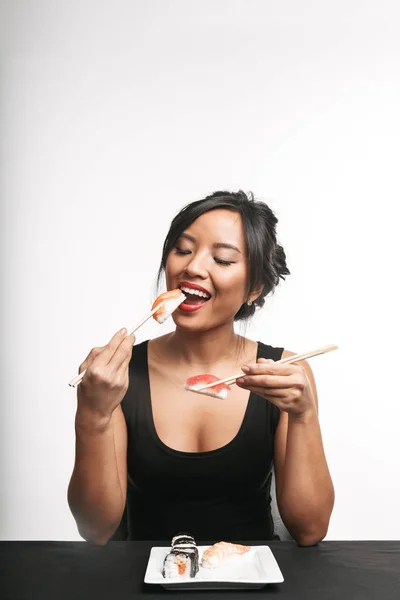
point(191, 324)
point(199, 322)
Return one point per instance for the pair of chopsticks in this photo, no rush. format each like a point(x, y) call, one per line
point(76, 380)
point(288, 359)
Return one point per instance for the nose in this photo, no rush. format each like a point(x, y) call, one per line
point(196, 267)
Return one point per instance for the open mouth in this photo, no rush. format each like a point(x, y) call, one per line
point(195, 298)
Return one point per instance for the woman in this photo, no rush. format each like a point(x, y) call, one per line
point(183, 461)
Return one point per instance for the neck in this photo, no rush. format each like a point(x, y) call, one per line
point(204, 348)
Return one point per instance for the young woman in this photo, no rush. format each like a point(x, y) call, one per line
point(168, 460)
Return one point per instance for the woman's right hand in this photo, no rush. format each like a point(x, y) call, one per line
point(106, 380)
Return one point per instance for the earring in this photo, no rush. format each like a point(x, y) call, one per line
point(249, 303)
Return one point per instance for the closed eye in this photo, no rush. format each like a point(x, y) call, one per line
point(219, 261)
point(183, 252)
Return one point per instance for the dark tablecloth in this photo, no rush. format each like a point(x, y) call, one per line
point(77, 570)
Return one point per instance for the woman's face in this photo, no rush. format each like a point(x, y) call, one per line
point(209, 264)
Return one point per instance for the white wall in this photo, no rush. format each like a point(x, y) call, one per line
point(114, 115)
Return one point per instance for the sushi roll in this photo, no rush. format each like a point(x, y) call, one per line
point(216, 391)
point(181, 563)
point(183, 558)
point(221, 552)
point(184, 542)
point(183, 538)
point(172, 299)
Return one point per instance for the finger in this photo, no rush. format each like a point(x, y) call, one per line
point(111, 347)
point(93, 354)
point(264, 366)
point(122, 353)
point(125, 362)
point(274, 394)
point(270, 381)
point(124, 365)
point(122, 375)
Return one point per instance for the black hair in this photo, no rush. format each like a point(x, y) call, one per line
point(266, 258)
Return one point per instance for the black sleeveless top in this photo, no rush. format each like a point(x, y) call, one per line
point(222, 494)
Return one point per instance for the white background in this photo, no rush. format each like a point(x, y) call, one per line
point(116, 114)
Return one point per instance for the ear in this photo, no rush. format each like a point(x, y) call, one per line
point(255, 293)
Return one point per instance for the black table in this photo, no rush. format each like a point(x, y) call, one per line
point(77, 570)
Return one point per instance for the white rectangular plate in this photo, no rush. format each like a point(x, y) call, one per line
point(254, 569)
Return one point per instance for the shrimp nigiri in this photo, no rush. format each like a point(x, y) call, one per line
point(173, 299)
point(215, 555)
point(217, 391)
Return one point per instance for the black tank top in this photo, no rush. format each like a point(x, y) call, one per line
point(222, 494)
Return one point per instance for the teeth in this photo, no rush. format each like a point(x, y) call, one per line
point(195, 292)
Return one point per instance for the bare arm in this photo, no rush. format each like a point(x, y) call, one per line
point(97, 489)
point(305, 493)
point(304, 487)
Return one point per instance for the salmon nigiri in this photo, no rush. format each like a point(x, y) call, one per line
point(172, 299)
point(216, 555)
point(217, 391)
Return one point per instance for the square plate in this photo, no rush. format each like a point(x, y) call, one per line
point(254, 569)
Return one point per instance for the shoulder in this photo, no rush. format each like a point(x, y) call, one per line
point(139, 353)
point(271, 352)
point(140, 347)
point(303, 363)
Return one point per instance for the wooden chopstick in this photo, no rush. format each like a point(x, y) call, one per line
point(76, 380)
point(288, 359)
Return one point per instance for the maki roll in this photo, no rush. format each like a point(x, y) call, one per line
point(183, 558)
point(183, 538)
point(181, 563)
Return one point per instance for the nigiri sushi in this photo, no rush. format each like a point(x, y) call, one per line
point(217, 391)
point(216, 555)
point(173, 299)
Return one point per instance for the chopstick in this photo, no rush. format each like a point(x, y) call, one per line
point(288, 359)
point(76, 380)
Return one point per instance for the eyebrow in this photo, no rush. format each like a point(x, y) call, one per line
point(216, 245)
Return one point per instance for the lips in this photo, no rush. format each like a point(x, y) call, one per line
point(194, 289)
point(196, 296)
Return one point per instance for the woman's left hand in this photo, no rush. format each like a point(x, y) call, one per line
point(285, 385)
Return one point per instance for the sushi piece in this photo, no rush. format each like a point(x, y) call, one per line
point(183, 559)
point(173, 299)
point(183, 541)
point(181, 563)
point(216, 555)
point(183, 538)
point(217, 391)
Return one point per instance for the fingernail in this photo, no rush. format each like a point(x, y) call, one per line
point(123, 331)
point(240, 381)
point(246, 369)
